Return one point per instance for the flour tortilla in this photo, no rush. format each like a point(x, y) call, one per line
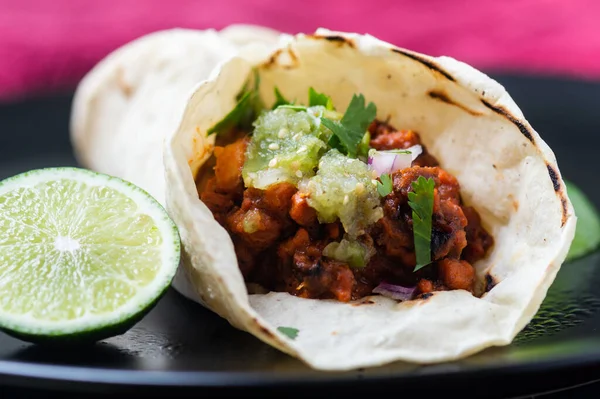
point(126, 105)
point(469, 122)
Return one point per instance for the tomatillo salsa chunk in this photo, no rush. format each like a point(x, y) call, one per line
point(286, 146)
point(343, 190)
point(326, 205)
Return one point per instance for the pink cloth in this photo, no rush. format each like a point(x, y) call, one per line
point(49, 45)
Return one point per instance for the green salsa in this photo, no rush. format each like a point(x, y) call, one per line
point(353, 252)
point(286, 146)
point(344, 188)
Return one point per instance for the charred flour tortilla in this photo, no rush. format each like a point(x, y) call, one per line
point(477, 133)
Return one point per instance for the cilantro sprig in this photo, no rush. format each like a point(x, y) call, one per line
point(245, 111)
point(350, 130)
point(385, 186)
point(315, 98)
point(420, 200)
point(290, 332)
point(280, 99)
point(350, 134)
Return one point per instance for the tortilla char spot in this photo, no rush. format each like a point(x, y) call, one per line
point(490, 282)
point(513, 201)
point(553, 177)
point(494, 166)
point(443, 97)
point(339, 39)
point(122, 84)
point(293, 56)
point(366, 301)
point(425, 62)
point(272, 59)
point(501, 111)
point(263, 329)
point(389, 76)
point(563, 201)
point(559, 190)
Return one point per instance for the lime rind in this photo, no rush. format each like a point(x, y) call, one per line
point(145, 296)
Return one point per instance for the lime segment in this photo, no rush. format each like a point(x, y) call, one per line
point(80, 252)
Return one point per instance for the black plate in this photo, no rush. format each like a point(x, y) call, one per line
point(182, 346)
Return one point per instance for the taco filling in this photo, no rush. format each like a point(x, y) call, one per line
point(329, 205)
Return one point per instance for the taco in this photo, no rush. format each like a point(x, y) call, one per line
point(353, 203)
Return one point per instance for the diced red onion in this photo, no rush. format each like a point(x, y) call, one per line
point(403, 160)
point(382, 162)
point(393, 160)
point(396, 292)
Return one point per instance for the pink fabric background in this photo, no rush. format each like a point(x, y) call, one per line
point(48, 45)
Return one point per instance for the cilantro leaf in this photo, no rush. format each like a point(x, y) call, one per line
point(334, 142)
point(343, 139)
point(421, 203)
point(346, 139)
point(315, 98)
point(359, 116)
point(385, 186)
point(351, 129)
point(279, 99)
point(288, 331)
point(245, 111)
point(237, 116)
point(587, 231)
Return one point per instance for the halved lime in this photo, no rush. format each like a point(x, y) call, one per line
point(83, 256)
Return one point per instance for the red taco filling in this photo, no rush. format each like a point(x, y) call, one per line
point(292, 232)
